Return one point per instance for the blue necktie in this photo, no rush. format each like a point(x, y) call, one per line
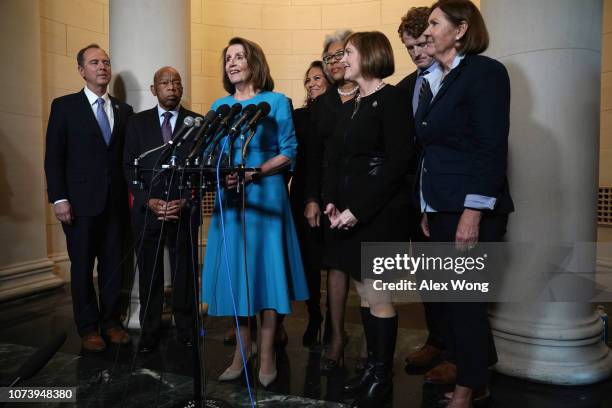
point(103, 121)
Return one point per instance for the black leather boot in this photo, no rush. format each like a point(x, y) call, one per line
point(362, 378)
point(379, 391)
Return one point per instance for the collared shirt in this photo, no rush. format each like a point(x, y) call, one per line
point(160, 113)
point(435, 77)
point(93, 103)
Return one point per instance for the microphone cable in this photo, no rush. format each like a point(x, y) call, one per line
point(238, 335)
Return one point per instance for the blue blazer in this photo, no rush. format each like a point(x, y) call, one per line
point(463, 134)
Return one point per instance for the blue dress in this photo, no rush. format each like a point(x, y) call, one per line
point(274, 264)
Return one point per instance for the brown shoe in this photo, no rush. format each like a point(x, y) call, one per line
point(92, 342)
point(443, 373)
point(425, 357)
point(117, 335)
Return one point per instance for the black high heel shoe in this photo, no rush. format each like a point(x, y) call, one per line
point(329, 365)
point(312, 334)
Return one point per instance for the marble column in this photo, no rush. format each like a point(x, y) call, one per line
point(144, 36)
point(24, 266)
point(552, 50)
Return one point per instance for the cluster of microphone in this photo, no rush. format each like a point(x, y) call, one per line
point(204, 134)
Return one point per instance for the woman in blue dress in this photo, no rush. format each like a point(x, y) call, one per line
point(273, 262)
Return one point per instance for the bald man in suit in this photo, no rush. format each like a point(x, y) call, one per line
point(162, 215)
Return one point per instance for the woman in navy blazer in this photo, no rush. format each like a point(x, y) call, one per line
point(462, 124)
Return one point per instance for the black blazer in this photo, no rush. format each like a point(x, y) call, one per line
point(79, 165)
point(369, 156)
point(144, 133)
point(325, 112)
point(464, 136)
point(407, 84)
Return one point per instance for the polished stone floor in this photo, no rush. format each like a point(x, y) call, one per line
point(119, 377)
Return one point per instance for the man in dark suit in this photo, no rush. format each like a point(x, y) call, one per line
point(162, 215)
point(86, 186)
point(411, 30)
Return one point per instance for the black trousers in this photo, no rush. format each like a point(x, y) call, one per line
point(182, 246)
point(465, 329)
point(434, 312)
point(90, 238)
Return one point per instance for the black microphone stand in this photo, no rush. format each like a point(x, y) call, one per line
point(200, 400)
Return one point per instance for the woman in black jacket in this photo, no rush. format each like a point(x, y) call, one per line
point(311, 238)
point(367, 196)
point(462, 124)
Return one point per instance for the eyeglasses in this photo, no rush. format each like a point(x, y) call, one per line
point(336, 57)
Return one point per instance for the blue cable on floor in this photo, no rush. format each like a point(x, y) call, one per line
point(227, 268)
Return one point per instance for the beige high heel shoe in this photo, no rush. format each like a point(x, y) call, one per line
point(231, 375)
point(267, 379)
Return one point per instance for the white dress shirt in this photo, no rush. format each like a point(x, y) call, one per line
point(161, 111)
point(93, 102)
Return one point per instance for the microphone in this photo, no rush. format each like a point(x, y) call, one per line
point(171, 151)
point(234, 110)
point(263, 109)
point(197, 123)
point(188, 122)
point(246, 114)
point(222, 112)
point(206, 132)
point(208, 120)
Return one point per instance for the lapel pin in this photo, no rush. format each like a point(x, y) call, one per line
point(374, 104)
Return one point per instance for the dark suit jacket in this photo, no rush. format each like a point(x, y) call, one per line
point(464, 134)
point(324, 113)
point(79, 165)
point(144, 133)
point(408, 84)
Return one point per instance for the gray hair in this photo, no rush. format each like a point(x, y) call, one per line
point(338, 35)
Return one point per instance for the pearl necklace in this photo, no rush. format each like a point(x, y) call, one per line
point(348, 93)
point(380, 85)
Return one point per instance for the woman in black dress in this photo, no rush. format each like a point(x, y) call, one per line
point(311, 239)
point(367, 195)
point(324, 114)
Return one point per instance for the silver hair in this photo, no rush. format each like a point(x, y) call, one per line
point(338, 35)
